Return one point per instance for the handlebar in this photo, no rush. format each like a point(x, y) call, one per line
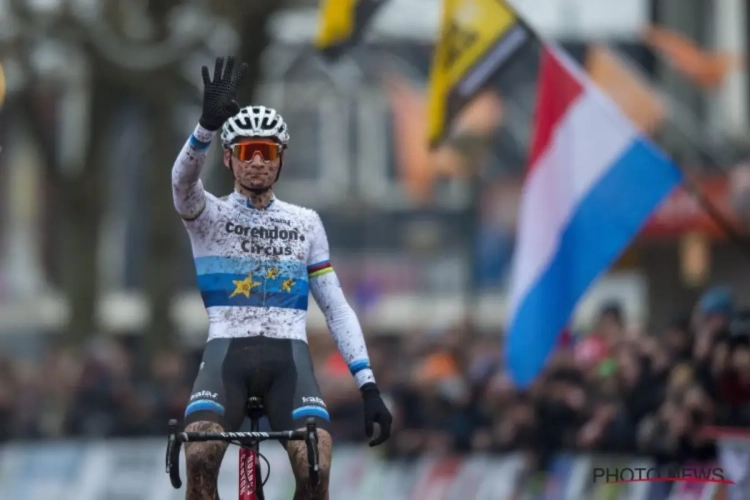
point(175, 440)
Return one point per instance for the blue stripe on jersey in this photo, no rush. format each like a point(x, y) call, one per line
point(279, 299)
point(199, 145)
point(244, 265)
point(358, 365)
point(258, 283)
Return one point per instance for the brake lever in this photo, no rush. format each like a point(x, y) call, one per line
point(312, 452)
point(173, 456)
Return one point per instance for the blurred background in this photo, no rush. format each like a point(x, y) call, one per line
point(101, 325)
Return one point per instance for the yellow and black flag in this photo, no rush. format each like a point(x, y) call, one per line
point(479, 39)
point(342, 24)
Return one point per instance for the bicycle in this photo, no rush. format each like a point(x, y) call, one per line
point(250, 480)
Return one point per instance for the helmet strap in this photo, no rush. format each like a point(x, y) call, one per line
point(281, 164)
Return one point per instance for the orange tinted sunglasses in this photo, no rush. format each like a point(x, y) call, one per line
point(246, 150)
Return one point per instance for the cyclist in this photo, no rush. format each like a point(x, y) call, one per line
point(256, 258)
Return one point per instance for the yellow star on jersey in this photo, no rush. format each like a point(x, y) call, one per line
point(245, 286)
point(272, 273)
point(287, 285)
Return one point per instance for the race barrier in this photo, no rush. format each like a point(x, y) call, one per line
point(134, 470)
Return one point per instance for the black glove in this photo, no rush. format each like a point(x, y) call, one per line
point(218, 95)
point(375, 412)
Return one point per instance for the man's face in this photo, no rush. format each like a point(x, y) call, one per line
point(256, 171)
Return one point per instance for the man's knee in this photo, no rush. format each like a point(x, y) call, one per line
point(298, 456)
point(204, 459)
point(302, 475)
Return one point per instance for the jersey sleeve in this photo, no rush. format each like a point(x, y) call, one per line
point(340, 317)
point(187, 187)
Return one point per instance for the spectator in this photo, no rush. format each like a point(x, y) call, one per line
point(607, 391)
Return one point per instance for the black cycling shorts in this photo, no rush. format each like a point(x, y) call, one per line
point(279, 371)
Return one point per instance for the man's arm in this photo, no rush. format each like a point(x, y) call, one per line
point(187, 188)
point(341, 319)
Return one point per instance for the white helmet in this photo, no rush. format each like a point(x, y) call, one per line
point(255, 121)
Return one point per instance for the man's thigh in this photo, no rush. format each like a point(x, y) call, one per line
point(219, 392)
point(294, 395)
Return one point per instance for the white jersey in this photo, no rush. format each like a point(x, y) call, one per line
point(257, 267)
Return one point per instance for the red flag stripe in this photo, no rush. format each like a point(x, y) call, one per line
point(558, 89)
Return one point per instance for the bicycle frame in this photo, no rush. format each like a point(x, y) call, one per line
point(250, 482)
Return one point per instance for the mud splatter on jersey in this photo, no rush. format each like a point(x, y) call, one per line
point(256, 267)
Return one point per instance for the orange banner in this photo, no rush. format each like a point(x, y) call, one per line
point(634, 94)
point(705, 68)
point(2, 85)
point(419, 167)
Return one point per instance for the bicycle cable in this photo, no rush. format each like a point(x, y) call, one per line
point(268, 464)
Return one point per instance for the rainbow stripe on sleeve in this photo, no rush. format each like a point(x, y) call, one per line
point(319, 269)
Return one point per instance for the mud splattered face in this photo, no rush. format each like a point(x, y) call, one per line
point(254, 169)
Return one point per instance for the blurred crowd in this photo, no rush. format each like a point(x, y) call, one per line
point(611, 389)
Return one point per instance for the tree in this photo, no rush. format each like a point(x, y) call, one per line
point(72, 196)
point(150, 69)
point(133, 49)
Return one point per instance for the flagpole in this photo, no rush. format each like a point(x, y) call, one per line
point(736, 237)
point(475, 149)
point(471, 295)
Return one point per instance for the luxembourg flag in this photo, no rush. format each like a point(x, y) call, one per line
point(592, 183)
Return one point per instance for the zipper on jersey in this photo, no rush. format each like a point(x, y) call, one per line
point(265, 282)
point(262, 277)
